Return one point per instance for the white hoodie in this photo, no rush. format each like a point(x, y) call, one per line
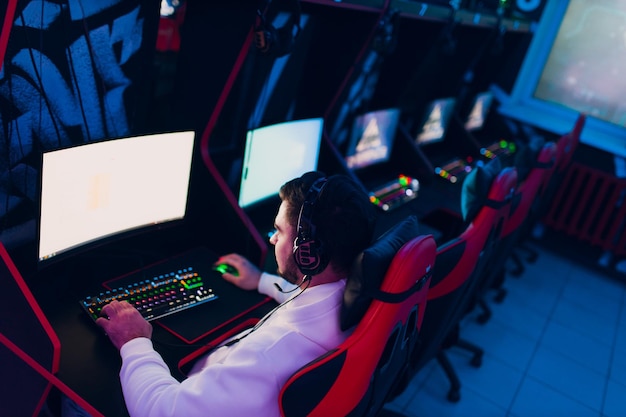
point(243, 379)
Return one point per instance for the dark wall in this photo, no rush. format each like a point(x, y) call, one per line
point(212, 35)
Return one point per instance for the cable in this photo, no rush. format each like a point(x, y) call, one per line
point(268, 315)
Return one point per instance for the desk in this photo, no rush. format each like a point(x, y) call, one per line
point(90, 364)
point(438, 195)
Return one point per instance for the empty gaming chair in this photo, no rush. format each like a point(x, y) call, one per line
point(460, 263)
point(389, 286)
point(545, 175)
point(566, 146)
point(518, 224)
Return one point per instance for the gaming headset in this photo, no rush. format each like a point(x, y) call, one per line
point(276, 41)
point(308, 251)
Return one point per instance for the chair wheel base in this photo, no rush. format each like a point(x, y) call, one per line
point(389, 413)
point(483, 318)
point(454, 396)
point(477, 360)
point(500, 295)
point(532, 258)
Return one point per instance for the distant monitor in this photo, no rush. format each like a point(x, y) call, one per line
point(100, 190)
point(575, 64)
point(276, 154)
point(479, 110)
point(372, 138)
point(435, 121)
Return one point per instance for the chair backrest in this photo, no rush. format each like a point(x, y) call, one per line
point(529, 191)
point(356, 378)
point(526, 207)
point(462, 254)
point(566, 146)
point(460, 262)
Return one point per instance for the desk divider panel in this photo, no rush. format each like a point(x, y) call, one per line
point(24, 330)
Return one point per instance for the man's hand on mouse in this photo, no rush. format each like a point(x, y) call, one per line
point(249, 274)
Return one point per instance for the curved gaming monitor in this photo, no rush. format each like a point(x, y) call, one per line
point(98, 191)
point(371, 138)
point(275, 154)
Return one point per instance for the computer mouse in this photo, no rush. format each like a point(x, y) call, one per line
point(223, 268)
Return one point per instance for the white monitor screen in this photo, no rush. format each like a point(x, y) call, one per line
point(372, 138)
point(276, 154)
point(101, 189)
point(435, 121)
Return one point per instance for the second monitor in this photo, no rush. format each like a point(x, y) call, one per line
point(275, 154)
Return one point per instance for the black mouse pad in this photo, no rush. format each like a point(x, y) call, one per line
point(200, 320)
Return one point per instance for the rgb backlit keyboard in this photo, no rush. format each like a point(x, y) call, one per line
point(157, 297)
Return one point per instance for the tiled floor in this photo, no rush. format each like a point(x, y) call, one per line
point(556, 346)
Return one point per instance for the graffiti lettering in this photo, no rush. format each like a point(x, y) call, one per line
point(63, 82)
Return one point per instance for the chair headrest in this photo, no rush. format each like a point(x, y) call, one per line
point(476, 188)
point(370, 268)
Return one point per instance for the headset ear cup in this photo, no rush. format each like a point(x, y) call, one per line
point(309, 256)
point(308, 252)
point(275, 42)
point(263, 38)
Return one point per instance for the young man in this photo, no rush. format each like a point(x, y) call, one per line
point(321, 225)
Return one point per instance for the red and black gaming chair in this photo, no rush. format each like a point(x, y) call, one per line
point(363, 373)
point(566, 145)
point(534, 210)
point(518, 224)
point(460, 263)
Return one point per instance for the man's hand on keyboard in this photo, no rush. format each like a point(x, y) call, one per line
point(122, 323)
